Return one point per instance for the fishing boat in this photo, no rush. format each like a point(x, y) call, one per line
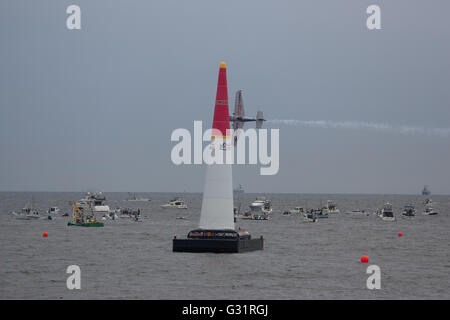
point(332, 207)
point(387, 214)
point(176, 203)
point(409, 211)
point(28, 212)
point(310, 216)
point(81, 218)
point(428, 210)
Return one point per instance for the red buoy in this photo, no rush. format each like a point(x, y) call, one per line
point(364, 259)
point(400, 234)
point(45, 234)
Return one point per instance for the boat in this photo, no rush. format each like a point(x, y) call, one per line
point(132, 197)
point(126, 213)
point(356, 211)
point(321, 213)
point(426, 190)
point(263, 216)
point(239, 189)
point(94, 202)
point(260, 205)
point(53, 210)
point(296, 210)
point(387, 214)
point(332, 207)
point(176, 203)
point(81, 218)
point(216, 232)
point(27, 213)
point(428, 210)
point(310, 215)
point(409, 211)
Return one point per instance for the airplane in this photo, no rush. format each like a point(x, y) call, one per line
point(239, 119)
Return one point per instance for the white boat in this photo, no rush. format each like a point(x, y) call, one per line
point(176, 203)
point(260, 205)
point(428, 210)
point(387, 214)
point(27, 213)
point(95, 203)
point(297, 210)
point(332, 207)
point(53, 210)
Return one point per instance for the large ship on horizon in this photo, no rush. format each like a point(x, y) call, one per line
point(239, 189)
point(426, 190)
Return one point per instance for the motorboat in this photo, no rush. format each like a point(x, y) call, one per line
point(321, 213)
point(94, 202)
point(176, 203)
point(428, 210)
point(297, 210)
point(263, 216)
point(126, 213)
point(53, 210)
point(332, 207)
point(387, 214)
point(409, 211)
point(260, 205)
point(27, 213)
point(310, 216)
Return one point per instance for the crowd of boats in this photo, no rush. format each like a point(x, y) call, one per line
point(261, 208)
point(92, 210)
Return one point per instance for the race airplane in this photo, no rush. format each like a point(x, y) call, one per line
point(239, 119)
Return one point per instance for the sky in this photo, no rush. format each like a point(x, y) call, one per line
point(94, 109)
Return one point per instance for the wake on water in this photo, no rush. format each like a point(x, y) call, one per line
point(359, 125)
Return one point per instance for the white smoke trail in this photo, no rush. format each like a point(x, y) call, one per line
point(357, 125)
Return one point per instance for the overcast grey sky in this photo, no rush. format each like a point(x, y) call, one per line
point(94, 108)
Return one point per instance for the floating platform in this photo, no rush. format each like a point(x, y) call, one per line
point(218, 241)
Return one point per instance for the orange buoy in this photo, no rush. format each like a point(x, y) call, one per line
point(364, 259)
point(400, 234)
point(45, 234)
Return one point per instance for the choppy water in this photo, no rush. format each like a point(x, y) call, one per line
point(134, 260)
